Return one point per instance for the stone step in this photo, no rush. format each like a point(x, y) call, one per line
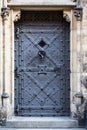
point(42, 122)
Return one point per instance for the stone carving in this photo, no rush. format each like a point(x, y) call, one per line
point(84, 81)
point(79, 114)
point(79, 102)
point(78, 11)
point(17, 16)
point(4, 13)
point(78, 14)
point(66, 16)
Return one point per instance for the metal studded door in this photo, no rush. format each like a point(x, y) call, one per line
point(42, 64)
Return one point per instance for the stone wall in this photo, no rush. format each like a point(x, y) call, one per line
point(83, 58)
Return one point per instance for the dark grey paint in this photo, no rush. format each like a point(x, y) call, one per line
point(42, 65)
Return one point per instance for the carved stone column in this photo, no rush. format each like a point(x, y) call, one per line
point(78, 96)
point(5, 56)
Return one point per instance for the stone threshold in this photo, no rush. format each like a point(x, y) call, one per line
point(42, 122)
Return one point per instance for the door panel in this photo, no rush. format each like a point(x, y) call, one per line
point(42, 65)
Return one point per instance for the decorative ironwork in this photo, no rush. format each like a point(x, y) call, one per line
point(42, 80)
point(42, 43)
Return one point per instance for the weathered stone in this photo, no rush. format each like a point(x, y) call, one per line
point(44, 122)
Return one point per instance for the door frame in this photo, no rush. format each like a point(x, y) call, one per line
point(14, 16)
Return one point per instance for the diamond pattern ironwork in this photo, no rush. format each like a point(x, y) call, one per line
point(41, 43)
point(42, 84)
